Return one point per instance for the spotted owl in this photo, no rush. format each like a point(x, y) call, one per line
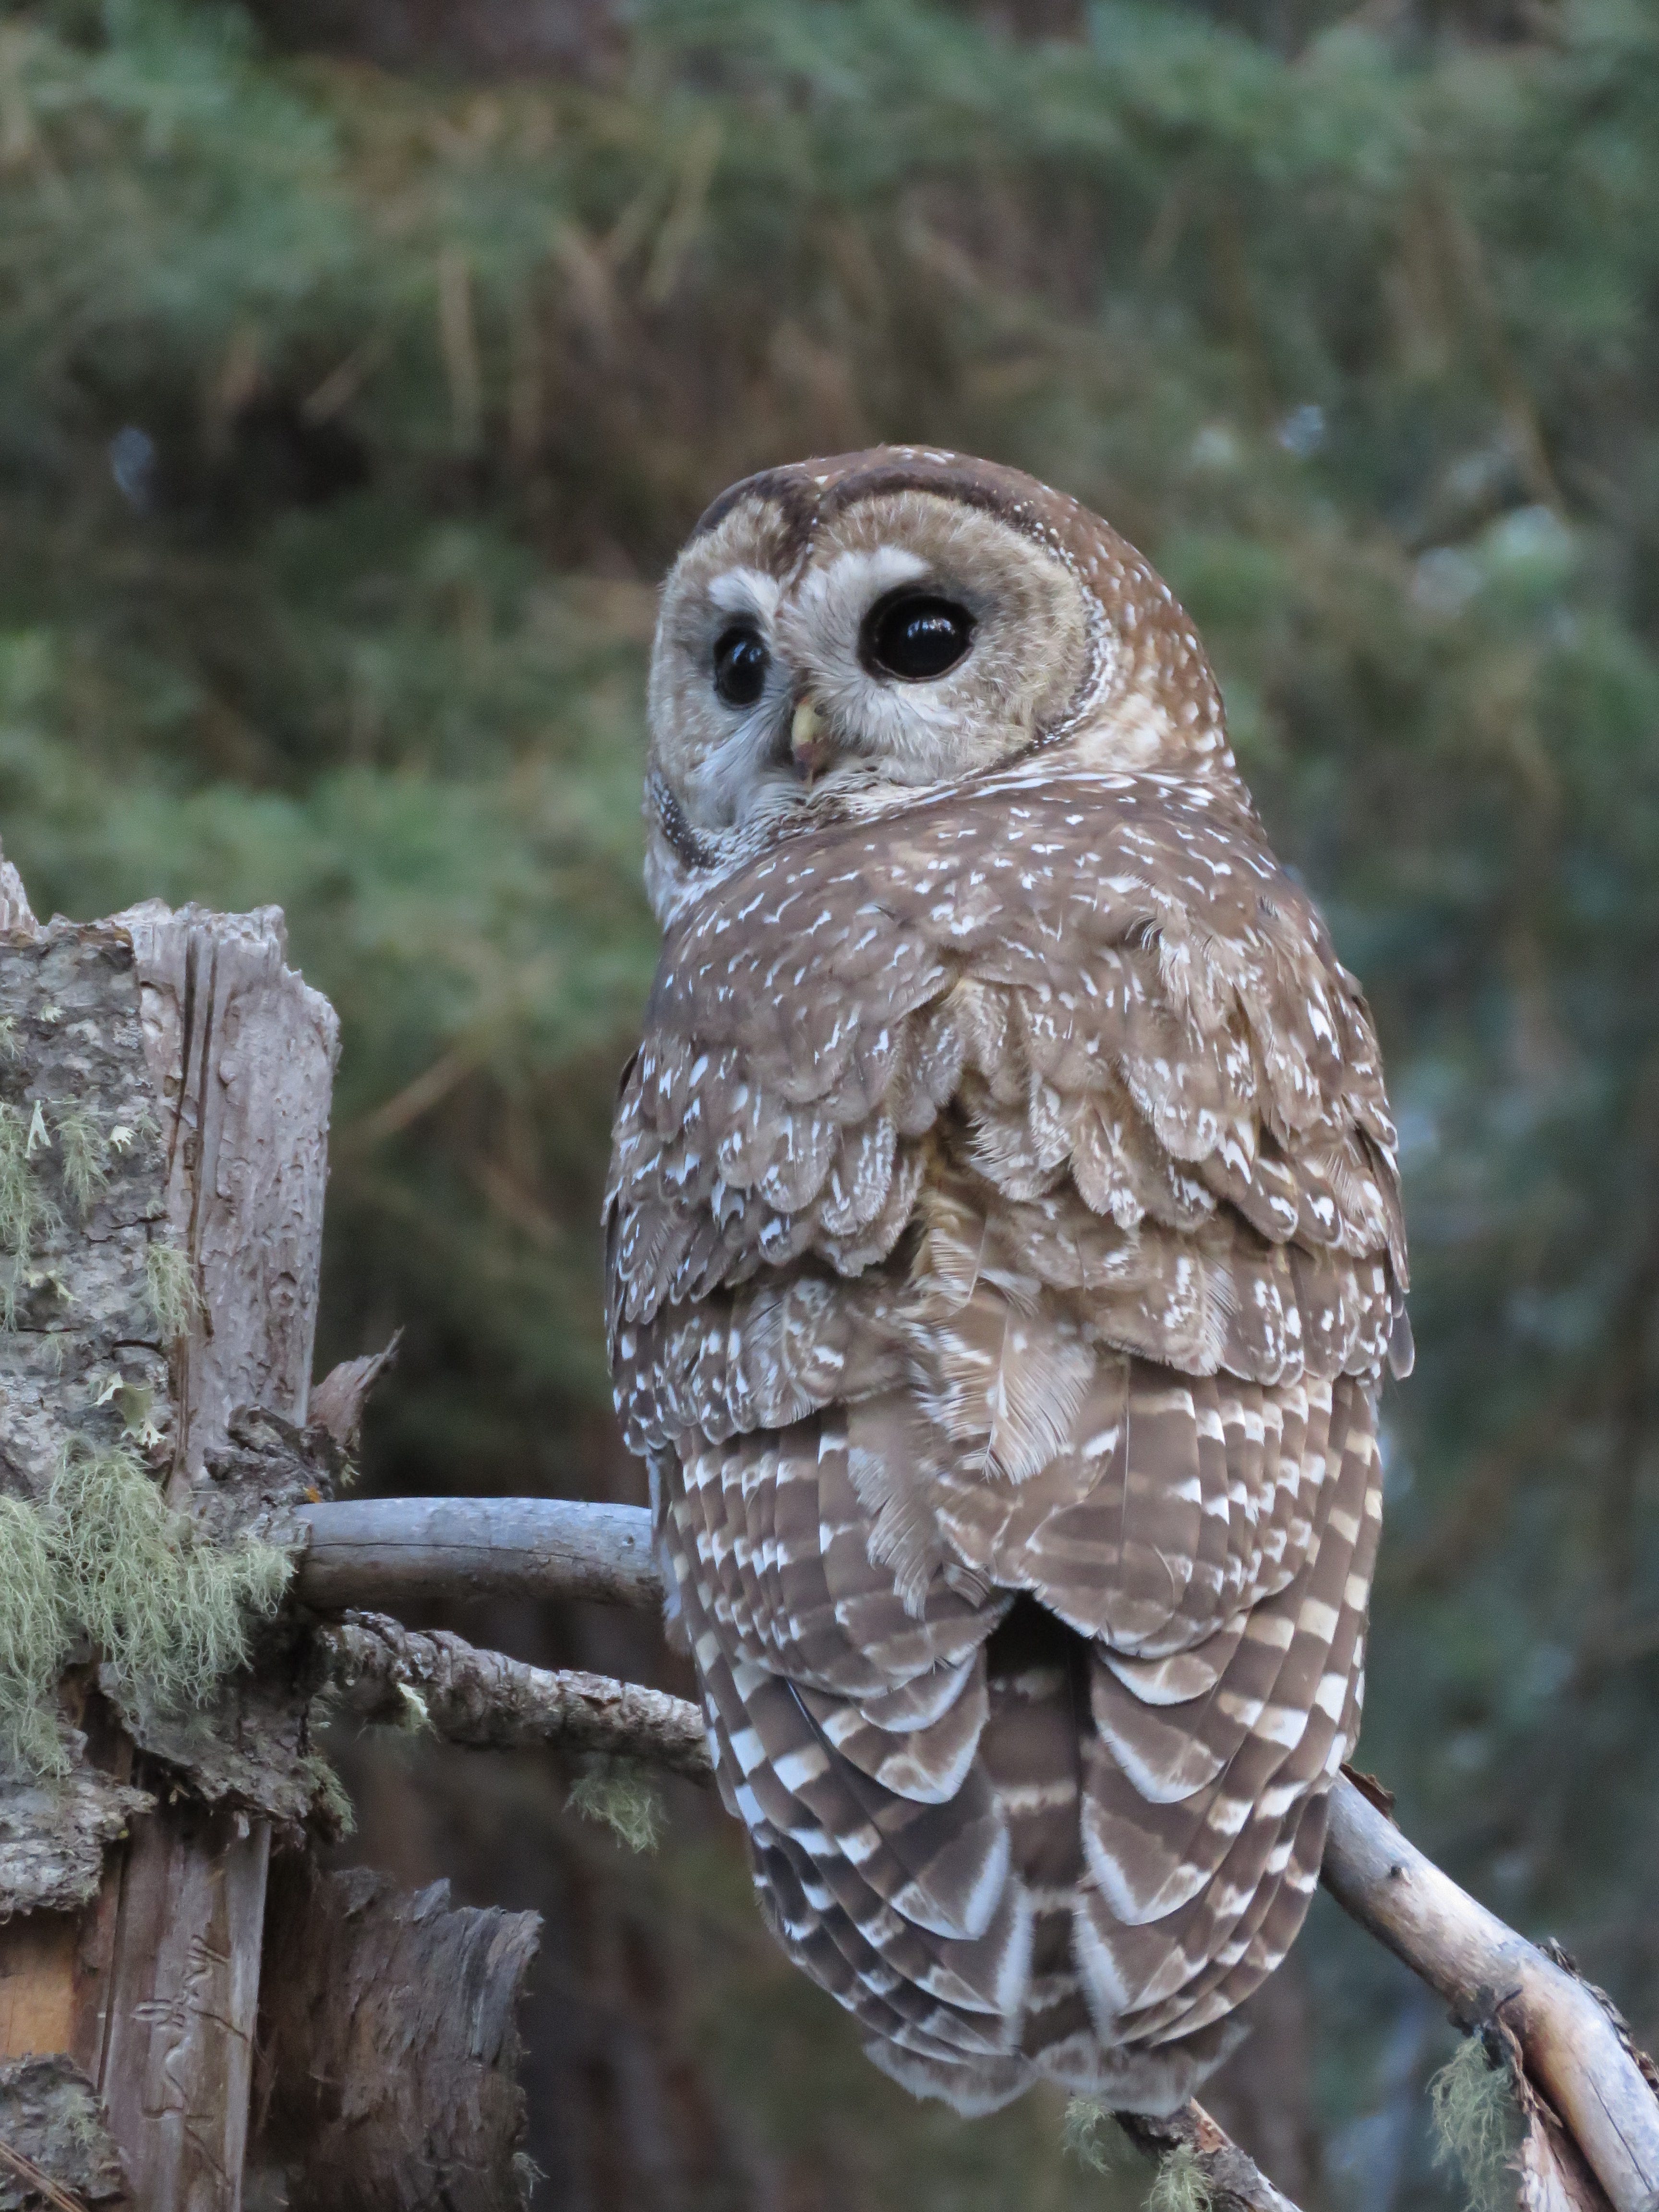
point(1004, 1250)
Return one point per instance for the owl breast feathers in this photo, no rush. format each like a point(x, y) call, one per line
point(1004, 1250)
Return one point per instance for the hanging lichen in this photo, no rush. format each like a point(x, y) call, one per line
point(1091, 2134)
point(1477, 2126)
point(35, 1633)
point(620, 1796)
point(167, 1610)
point(171, 1289)
point(84, 1150)
point(27, 1213)
point(1181, 2184)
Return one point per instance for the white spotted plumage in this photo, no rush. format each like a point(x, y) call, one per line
point(1004, 1250)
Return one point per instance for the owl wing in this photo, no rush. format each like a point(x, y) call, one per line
point(1003, 1209)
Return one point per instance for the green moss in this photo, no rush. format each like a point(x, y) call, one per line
point(170, 1288)
point(1180, 2186)
point(621, 1795)
point(1477, 2126)
point(167, 1612)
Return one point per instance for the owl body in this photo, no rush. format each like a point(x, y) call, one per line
point(1004, 1250)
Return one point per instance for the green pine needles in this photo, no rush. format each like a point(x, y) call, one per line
point(103, 1556)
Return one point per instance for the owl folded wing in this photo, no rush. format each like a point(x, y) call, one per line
point(1101, 1001)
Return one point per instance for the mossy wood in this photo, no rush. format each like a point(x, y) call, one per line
point(164, 1082)
point(163, 1122)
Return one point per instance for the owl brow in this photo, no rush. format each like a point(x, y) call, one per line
point(681, 836)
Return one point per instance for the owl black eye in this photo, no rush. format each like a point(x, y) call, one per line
point(740, 665)
point(915, 637)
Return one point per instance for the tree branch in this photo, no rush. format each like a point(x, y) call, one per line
point(401, 1551)
point(496, 1704)
point(1575, 2050)
point(1233, 2181)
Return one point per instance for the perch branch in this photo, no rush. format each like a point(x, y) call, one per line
point(496, 1704)
point(1233, 2181)
point(1573, 2046)
point(399, 1551)
point(387, 1551)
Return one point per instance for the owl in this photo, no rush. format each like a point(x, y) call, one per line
point(1004, 1252)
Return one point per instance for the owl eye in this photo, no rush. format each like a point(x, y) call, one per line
point(915, 637)
point(740, 666)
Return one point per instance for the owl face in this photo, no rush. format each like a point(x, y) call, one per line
point(843, 635)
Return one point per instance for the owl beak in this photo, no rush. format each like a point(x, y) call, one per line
point(809, 744)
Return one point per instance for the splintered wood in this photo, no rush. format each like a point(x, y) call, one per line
point(172, 1077)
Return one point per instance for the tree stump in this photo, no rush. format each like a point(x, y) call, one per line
point(164, 1082)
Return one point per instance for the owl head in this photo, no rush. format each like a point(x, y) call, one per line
point(844, 637)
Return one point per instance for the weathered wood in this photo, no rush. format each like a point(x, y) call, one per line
point(1231, 2179)
point(241, 1056)
point(186, 1996)
point(53, 1839)
point(389, 1552)
point(241, 1052)
point(180, 1058)
point(1573, 2050)
point(377, 1668)
point(389, 2046)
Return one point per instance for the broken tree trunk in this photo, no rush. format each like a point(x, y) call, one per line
point(165, 1098)
point(165, 1084)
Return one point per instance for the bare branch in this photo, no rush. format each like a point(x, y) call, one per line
point(1573, 2049)
point(398, 1551)
point(497, 1703)
point(1231, 2180)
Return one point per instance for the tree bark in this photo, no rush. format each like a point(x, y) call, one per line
point(174, 1078)
point(388, 1552)
point(388, 2052)
point(1232, 2180)
point(382, 1671)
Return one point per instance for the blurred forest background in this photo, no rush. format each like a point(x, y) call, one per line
point(363, 363)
